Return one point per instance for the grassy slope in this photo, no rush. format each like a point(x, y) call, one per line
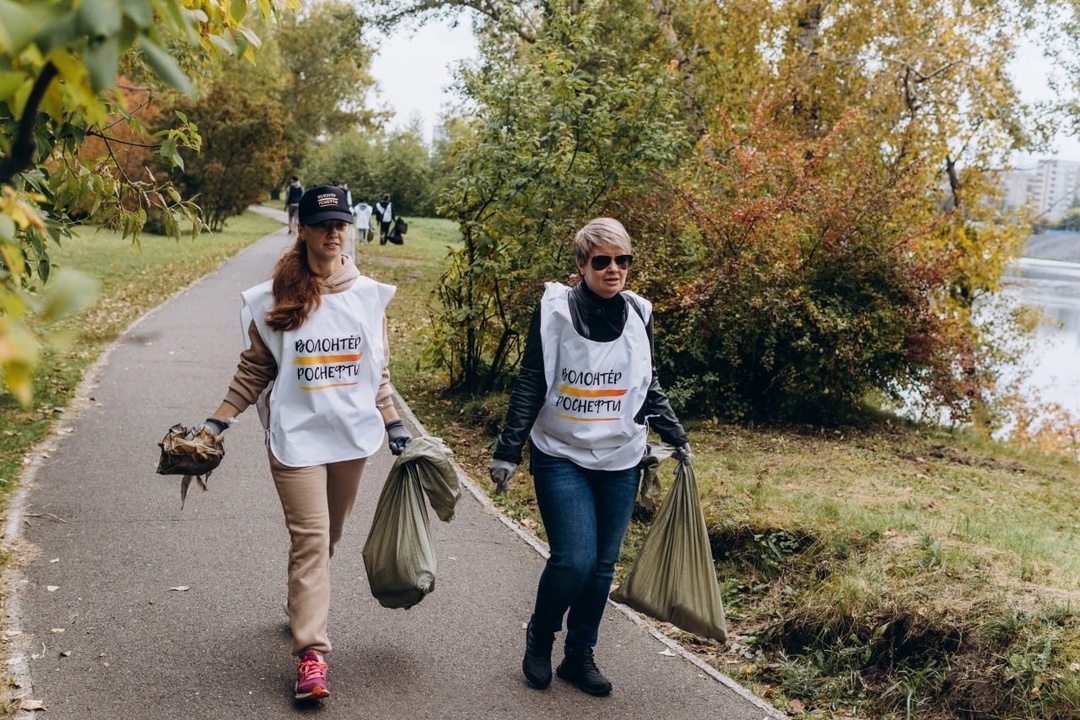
point(889, 571)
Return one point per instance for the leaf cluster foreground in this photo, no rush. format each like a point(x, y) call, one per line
point(877, 570)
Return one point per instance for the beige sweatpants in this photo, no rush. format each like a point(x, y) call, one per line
point(317, 501)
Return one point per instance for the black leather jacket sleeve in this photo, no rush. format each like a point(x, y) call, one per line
point(526, 398)
point(656, 411)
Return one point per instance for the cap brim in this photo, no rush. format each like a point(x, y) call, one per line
point(324, 215)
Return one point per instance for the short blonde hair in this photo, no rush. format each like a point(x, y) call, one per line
point(600, 231)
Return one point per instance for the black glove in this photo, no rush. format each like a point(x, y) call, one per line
point(397, 436)
point(500, 472)
point(682, 453)
point(217, 427)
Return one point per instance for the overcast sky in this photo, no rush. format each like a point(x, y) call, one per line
point(414, 70)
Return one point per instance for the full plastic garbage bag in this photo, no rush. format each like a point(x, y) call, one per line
point(673, 578)
point(399, 554)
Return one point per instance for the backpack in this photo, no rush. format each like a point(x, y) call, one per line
point(295, 193)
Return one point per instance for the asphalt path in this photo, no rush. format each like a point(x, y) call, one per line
point(124, 606)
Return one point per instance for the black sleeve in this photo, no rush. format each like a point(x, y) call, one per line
point(657, 410)
point(527, 397)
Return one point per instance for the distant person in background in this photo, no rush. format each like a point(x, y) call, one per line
point(384, 211)
point(293, 192)
point(362, 212)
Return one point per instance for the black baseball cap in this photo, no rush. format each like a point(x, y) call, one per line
point(319, 204)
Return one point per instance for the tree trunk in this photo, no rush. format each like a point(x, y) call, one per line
point(682, 61)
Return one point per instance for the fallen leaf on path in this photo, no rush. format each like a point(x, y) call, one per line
point(667, 653)
point(181, 588)
point(52, 588)
point(31, 705)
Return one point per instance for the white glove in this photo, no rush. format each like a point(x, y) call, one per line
point(501, 471)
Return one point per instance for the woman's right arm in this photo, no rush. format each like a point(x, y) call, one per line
point(255, 370)
point(526, 399)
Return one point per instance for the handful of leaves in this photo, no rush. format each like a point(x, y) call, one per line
point(193, 457)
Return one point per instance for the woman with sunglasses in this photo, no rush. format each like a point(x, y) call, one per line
point(315, 368)
point(586, 396)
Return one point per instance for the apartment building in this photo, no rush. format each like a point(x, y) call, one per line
point(1048, 189)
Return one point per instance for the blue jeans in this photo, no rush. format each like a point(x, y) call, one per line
point(585, 513)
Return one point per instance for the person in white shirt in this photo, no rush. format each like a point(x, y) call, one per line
point(362, 212)
point(585, 398)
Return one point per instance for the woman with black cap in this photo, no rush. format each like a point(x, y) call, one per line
point(316, 369)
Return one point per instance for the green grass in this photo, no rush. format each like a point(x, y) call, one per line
point(133, 280)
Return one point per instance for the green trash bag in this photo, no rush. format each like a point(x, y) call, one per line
point(399, 554)
point(673, 578)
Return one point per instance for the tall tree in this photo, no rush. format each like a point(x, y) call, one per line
point(243, 145)
point(559, 130)
point(327, 67)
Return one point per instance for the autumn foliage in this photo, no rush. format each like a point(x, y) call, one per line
point(243, 146)
point(784, 285)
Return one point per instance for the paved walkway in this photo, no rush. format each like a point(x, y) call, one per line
point(125, 607)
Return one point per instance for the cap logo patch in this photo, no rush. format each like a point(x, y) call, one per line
point(327, 199)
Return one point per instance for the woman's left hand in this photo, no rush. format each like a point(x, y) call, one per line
point(397, 437)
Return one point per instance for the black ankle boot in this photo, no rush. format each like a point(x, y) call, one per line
point(579, 668)
point(537, 662)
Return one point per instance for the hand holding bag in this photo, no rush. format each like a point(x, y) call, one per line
point(673, 578)
point(399, 554)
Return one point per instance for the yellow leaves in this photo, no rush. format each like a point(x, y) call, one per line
point(13, 206)
point(19, 353)
point(20, 348)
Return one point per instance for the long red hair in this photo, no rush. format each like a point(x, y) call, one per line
point(296, 289)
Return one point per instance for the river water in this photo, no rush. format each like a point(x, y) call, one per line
point(1054, 287)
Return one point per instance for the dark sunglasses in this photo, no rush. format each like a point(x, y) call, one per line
point(599, 262)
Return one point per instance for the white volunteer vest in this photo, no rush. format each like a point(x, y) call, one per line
point(594, 388)
point(322, 403)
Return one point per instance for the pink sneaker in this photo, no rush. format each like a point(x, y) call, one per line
point(311, 677)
